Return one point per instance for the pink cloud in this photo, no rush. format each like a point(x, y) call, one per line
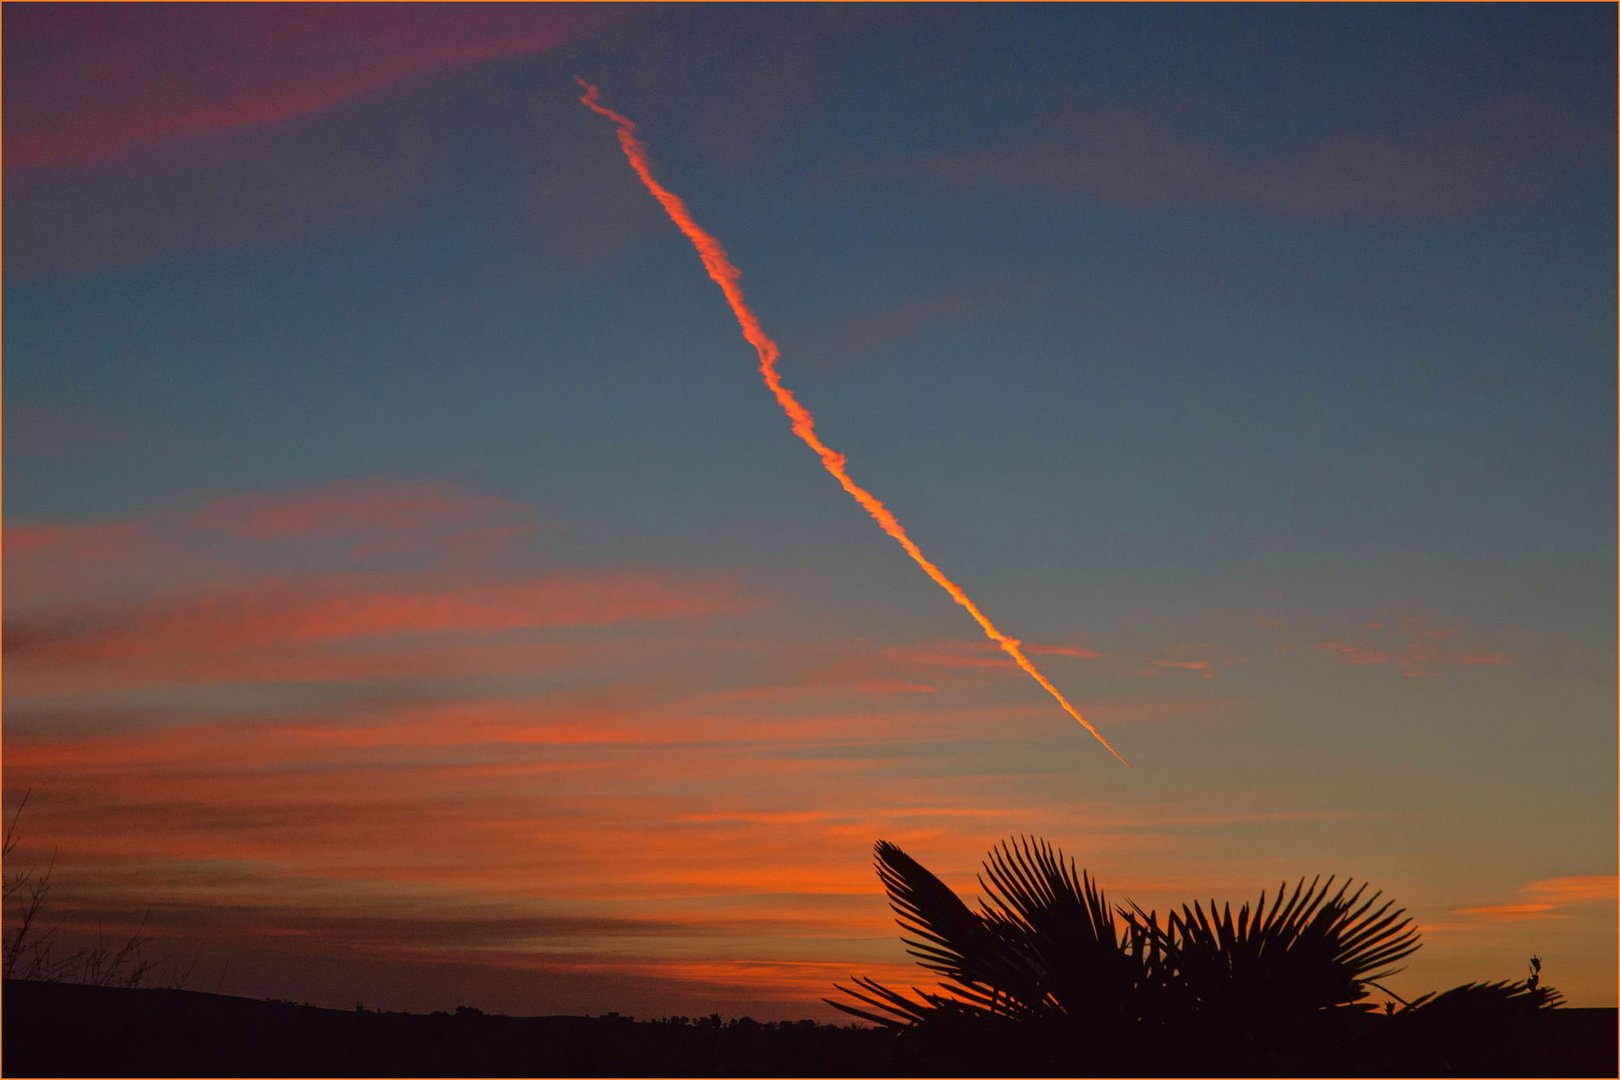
point(265, 588)
point(1418, 647)
point(89, 84)
point(280, 614)
point(347, 509)
point(236, 537)
point(153, 129)
point(393, 660)
point(95, 541)
point(54, 562)
point(376, 517)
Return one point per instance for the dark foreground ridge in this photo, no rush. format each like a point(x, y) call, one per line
point(56, 1029)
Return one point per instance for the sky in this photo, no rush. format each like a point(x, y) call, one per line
point(413, 596)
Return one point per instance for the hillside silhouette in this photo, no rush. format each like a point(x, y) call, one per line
point(58, 1029)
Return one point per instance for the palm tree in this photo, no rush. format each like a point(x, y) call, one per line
point(1045, 944)
point(1047, 959)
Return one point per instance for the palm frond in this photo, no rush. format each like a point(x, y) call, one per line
point(950, 939)
point(1313, 948)
point(1032, 889)
point(897, 1009)
point(1490, 999)
point(1063, 929)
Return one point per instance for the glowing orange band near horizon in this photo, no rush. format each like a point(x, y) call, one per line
point(725, 275)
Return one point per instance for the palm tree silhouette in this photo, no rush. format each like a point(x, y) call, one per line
point(1045, 956)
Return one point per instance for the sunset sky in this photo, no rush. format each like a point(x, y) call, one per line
point(414, 597)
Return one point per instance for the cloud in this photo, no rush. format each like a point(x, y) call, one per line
point(503, 955)
point(371, 663)
point(1511, 912)
point(1202, 667)
point(1360, 655)
point(1581, 889)
point(256, 127)
point(88, 86)
point(950, 653)
point(289, 630)
point(1202, 659)
point(398, 524)
point(1548, 898)
point(1077, 651)
point(881, 687)
point(64, 562)
point(343, 930)
point(281, 614)
point(342, 582)
point(1152, 156)
point(370, 511)
point(93, 542)
point(616, 827)
point(1415, 646)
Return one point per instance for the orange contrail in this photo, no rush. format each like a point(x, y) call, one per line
point(725, 275)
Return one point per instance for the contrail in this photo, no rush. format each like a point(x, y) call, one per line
point(725, 275)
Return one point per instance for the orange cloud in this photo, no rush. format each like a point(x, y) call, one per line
point(391, 659)
point(1549, 898)
point(1201, 659)
point(705, 805)
point(881, 687)
point(1582, 889)
point(232, 539)
point(1415, 646)
point(597, 833)
point(1510, 912)
point(192, 596)
point(276, 615)
point(1200, 666)
point(1078, 651)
